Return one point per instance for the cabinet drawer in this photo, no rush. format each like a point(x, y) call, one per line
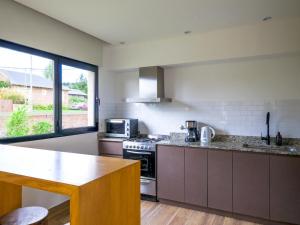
point(110, 148)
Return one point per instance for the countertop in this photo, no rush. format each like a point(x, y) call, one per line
point(55, 166)
point(293, 150)
point(229, 143)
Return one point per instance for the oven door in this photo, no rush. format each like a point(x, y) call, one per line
point(116, 128)
point(147, 159)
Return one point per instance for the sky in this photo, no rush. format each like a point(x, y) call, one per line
point(19, 61)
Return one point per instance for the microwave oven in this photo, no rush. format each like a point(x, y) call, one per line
point(121, 128)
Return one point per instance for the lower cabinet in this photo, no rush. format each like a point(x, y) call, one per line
point(219, 180)
point(251, 184)
point(285, 189)
point(170, 173)
point(110, 148)
point(196, 176)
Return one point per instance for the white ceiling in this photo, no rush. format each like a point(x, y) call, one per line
point(131, 21)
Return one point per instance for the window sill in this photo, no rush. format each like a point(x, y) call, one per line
point(64, 133)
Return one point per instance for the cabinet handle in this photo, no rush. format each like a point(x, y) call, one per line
point(139, 153)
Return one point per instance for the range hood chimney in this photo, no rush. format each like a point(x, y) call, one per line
point(151, 86)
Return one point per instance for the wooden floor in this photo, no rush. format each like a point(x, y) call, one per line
point(159, 214)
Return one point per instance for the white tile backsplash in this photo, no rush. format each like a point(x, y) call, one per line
point(227, 117)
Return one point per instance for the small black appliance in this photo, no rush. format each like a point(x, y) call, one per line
point(192, 134)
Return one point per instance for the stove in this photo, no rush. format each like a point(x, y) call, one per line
point(142, 143)
point(144, 150)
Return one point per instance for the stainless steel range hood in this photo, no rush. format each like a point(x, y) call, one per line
point(151, 86)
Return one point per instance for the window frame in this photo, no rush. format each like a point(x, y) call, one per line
point(58, 62)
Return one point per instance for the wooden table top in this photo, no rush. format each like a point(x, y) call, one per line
point(58, 167)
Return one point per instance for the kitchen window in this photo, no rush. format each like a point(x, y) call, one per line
point(43, 95)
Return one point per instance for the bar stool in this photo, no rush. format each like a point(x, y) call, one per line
point(26, 216)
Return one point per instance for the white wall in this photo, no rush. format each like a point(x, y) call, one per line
point(107, 96)
point(233, 96)
point(264, 38)
point(24, 26)
point(228, 78)
point(83, 143)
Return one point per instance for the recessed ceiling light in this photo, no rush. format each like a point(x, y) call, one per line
point(122, 43)
point(187, 32)
point(267, 18)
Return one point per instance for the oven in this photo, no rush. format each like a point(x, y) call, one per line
point(121, 128)
point(148, 170)
point(147, 159)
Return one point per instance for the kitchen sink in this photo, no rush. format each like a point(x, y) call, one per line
point(292, 149)
point(261, 146)
point(273, 148)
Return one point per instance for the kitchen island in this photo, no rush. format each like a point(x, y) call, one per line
point(102, 190)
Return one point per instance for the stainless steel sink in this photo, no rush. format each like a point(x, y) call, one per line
point(260, 146)
point(273, 148)
point(292, 149)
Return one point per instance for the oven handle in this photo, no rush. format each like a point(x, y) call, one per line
point(144, 181)
point(115, 121)
point(139, 153)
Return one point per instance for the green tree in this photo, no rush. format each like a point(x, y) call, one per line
point(42, 127)
point(81, 84)
point(49, 71)
point(4, 84)
point(8, 94)
point(17, 124)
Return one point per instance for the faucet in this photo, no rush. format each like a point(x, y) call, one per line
point(267, 138)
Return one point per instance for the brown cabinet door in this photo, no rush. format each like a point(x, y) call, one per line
point(285, 189)
point(110, 148)
point(219, 180)
point(251, 184)
point(170, 173)
point(196, 176)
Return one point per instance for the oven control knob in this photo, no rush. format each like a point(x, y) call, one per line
point(142, 147)
point(126, 146)
point(130, 146)
point(138, 147)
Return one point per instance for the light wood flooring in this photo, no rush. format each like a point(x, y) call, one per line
point(159, 214)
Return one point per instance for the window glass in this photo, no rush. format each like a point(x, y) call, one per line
point(26, 94)
point(44, 95)
point(78, 97)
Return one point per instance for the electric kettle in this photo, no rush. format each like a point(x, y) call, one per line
point(207, 134)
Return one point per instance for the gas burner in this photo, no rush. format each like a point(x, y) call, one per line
point(146, 143)
point(142, 139)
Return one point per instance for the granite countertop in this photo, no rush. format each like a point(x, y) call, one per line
point(229, 143)
point(236, 143)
